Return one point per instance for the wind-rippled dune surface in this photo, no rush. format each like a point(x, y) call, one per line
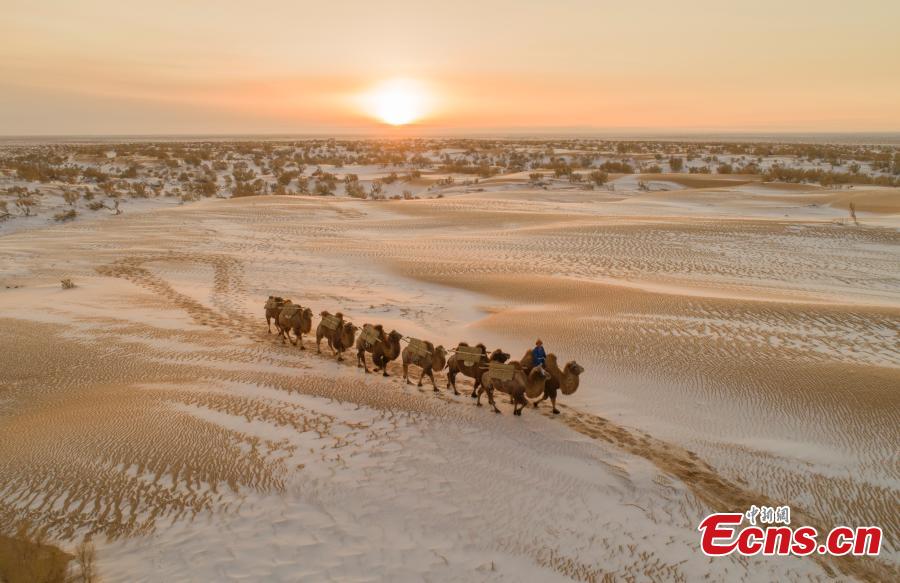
point(728, 362)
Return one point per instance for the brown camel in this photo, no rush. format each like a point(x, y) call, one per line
point(518, 385)
point(428, 359)
point(384, 348)
point(336, 332)
point(273, 306)
point(472, 369)
point(297, 318)
point(566, 379)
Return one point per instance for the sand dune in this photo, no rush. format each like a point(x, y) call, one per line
point(149, 405)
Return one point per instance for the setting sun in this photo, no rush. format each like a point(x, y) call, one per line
point(397, 101)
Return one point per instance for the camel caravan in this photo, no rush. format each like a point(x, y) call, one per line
point(521, 380)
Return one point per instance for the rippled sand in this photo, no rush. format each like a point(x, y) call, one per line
point(730, 361)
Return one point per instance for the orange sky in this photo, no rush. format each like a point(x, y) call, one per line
point(167, 67)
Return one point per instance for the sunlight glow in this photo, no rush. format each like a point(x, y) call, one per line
point(397, 101)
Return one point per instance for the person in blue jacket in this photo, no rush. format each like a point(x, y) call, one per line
point(538, 354)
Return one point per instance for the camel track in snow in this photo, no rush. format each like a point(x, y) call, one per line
point(170, 397)
point(702, 479)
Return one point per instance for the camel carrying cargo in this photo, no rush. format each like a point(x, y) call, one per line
point(273, 307)
point(418, 348)
point(469, 354)
point(369, 335)
point(490, 371)
point(426, 356)
point(331, 322)
point(500, 371)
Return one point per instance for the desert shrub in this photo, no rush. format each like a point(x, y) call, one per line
point(285, 178)
point(618, 167)
point(725, 169)
point(654, 169)
point(852, 210)
point(67, 283)
point(535, 177)
point(323, 188)
point(377, 190)
point(575, 177)
point(206, 187)
point(355, 189)
point(71, 196)
point(25, 202)
point(676, 164)
point(139, 190)
point(560, 170)
point(95, 205)
point(95, 175)
point(598, 177)
point(65, 216)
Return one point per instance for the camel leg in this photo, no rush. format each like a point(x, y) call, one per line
point(521, 403)
point(318, 344)
point(451, 381)
point(539, 401)
point(382, 364)
point(553, 402)
point(478, 398)
point(361, 360)
point(490, 393)
point(300, 340)
point(422, 376)
point(294, 342)
point(406, 374)
point(269, 324)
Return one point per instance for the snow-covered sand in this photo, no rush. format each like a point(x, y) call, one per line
point(149, 405)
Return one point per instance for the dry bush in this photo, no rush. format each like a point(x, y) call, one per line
point(598, 177)
point(852, 210)
point(71, 196)
point(65, 216)
point(25, 203)
point(67, 283)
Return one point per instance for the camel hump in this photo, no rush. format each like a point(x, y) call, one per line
point(324, 313)
point(429, 346)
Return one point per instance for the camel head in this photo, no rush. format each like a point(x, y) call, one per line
point(482, 347)
point(348, 333)
point(574, 368)
point(439, 358)
point(570, 380)
point(499, 356)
